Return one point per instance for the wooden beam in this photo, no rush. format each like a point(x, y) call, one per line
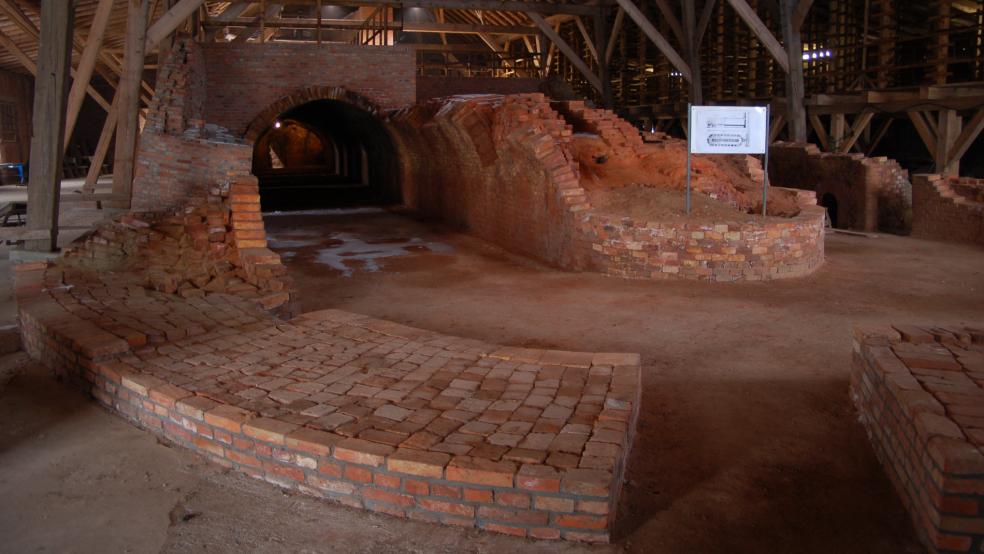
point(102, 147)
point(86, 64)
point(16, 52)
point(860, 124)
point(615, 34)
point(569, 52)
point(778, 122)
point(923, 129)
point(765, 36)
point(526, 6)
point(47, 137)
point(705, 20)
point(232, 11)
point(587, 39)
point(793, 54)
point(128, 94)
point(167, 23)
point(672, 21)
point(802, 10)
point(661, 43)
point(691, 48)
point(879, 136)
point(971, 130)
point(821, 132)
point(601, 40)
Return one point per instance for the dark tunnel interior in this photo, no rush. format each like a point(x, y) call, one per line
point(326, 154)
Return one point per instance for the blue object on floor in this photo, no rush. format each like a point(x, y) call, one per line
point(20, 170)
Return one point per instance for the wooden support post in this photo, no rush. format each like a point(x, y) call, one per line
point(692, 49)
point(129, 96)
point(946, 139)
point(838, 129)
point(795, 90)
point(47, 140)
point(86, 64)
point(587, 38)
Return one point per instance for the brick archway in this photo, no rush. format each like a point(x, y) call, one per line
point(265, 119)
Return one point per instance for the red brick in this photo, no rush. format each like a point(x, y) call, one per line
point(581, 522)
point(387, 496)
point(452, 508)
point(358, 451)
point(418, 462)
point(504, 529)
point(512, 499)
point(478, 495)
point(268, 429)
point(446, 491)
point(360, 474)
point(414, 486)
point(538, 478)
point(481, 472)
point(517, 517)
point(312, 441)
point(229, 418)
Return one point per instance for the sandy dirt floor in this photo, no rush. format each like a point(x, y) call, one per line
point(747, 441)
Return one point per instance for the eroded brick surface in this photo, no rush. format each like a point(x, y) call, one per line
point(920, 394)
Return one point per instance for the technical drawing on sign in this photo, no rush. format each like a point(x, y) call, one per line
point(728, 130)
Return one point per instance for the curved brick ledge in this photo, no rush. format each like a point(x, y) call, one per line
point(749, 251)
point(365, 412)
point(920, 394)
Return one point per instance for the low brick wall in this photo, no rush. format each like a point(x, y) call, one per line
point(750, 251)
point(872, 194)
point(364, 412)
point(950, 209)
point(920, 394)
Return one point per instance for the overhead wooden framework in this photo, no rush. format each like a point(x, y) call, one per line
point(837, 71)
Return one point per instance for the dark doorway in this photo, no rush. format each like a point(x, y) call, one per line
point(829, 201)
point(325, 154)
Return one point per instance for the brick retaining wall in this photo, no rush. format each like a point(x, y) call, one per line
point(920, 394)
point(950, 209)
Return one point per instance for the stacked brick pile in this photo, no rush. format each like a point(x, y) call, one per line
point(218, 245)
point(368, 413)
point(920, 393)
point(872, 193)
point(619, 134)
point(948, 209)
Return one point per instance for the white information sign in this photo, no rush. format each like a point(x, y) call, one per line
point(728, 129)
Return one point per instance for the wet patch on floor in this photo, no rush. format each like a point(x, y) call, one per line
point(350, 252)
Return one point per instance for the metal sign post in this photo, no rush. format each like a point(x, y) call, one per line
point(728, 130)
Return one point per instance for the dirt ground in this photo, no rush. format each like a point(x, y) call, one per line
point(747, 441)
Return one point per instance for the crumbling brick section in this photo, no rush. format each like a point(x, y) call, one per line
point(179, 156)
point(920, 394)
point(873, 194)
point(950, 209)
point(214, 246)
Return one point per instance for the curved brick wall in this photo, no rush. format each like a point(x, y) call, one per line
point(750, 251)
point(508, 175)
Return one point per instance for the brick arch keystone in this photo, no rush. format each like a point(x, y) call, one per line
point(265, 118)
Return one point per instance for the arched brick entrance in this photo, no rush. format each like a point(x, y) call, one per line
point(265, 119)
